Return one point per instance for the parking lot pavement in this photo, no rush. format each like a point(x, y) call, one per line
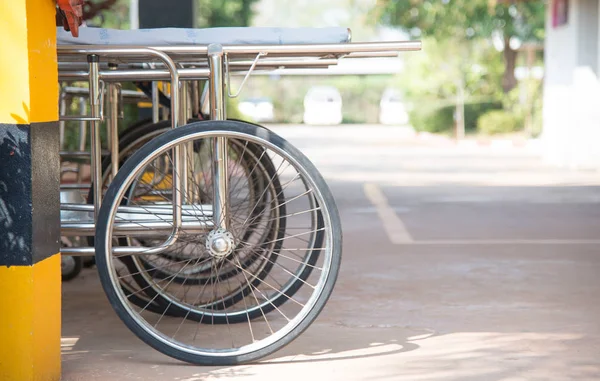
point(460, 263)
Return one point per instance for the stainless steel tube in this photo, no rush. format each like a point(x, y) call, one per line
point(218, 112)
point(187, 74)
point(195, 98)
point(155, 103)
point(82, 125)
point(82, 136)
point(188, 95)
point(76, 186)
point(135, 75)
point(205, 99)
point(61, 123)
point(79, 118)
point(165, 111)
point(78, 251)
point(288, 50)
point(96, 160)
point(196, 211)
point(132, 95)
point(77, 154)
point(184, 189)
point(136, 228)
point(113, 127)
point(312, 49)
point(220, 186)
point(217, 82)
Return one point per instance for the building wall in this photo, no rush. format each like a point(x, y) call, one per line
point(571, 135)
point(587, 41)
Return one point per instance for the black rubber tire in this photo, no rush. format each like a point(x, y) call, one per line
point(75, 271)
point(104, 270)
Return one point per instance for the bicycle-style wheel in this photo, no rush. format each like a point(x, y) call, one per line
point(274, 297)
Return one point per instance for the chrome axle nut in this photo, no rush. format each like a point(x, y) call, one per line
point(220, 243)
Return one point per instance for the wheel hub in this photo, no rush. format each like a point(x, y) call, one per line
point(220, 243)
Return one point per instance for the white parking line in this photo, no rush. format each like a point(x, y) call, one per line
point(393, 225)
point(399, 235)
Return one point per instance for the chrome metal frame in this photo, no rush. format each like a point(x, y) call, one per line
point(182, 67)
point(216, 93)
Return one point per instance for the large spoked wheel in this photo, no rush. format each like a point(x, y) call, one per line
point(274, 296)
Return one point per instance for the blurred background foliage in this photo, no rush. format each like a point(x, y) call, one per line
point(508, 22)
point(107, 13)
point(221, 13)
point(472, 50)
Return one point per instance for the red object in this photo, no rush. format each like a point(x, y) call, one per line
point(560, 12)
point(72, 11)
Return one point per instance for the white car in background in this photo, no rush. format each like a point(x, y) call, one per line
point(259, 109)
point(392, 109)
point(323, 105)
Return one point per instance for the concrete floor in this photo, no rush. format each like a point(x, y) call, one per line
point(460, 263)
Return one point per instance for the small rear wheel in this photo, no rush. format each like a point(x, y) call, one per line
point(70, 266)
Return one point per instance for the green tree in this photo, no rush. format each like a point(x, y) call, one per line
point(224, 13)
point(436, 73)
point(107, 13)
point(450, 83)
point(463, 20)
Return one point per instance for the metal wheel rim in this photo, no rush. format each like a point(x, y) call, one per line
point(293, 323)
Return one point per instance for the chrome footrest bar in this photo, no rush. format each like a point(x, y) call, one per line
point(145, 228)
point(196, 211)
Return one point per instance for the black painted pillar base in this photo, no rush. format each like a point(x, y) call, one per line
point(29, 193)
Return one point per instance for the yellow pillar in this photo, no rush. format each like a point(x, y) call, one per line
point(29, 193)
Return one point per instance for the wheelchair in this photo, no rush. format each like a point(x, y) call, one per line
point(216, 241)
